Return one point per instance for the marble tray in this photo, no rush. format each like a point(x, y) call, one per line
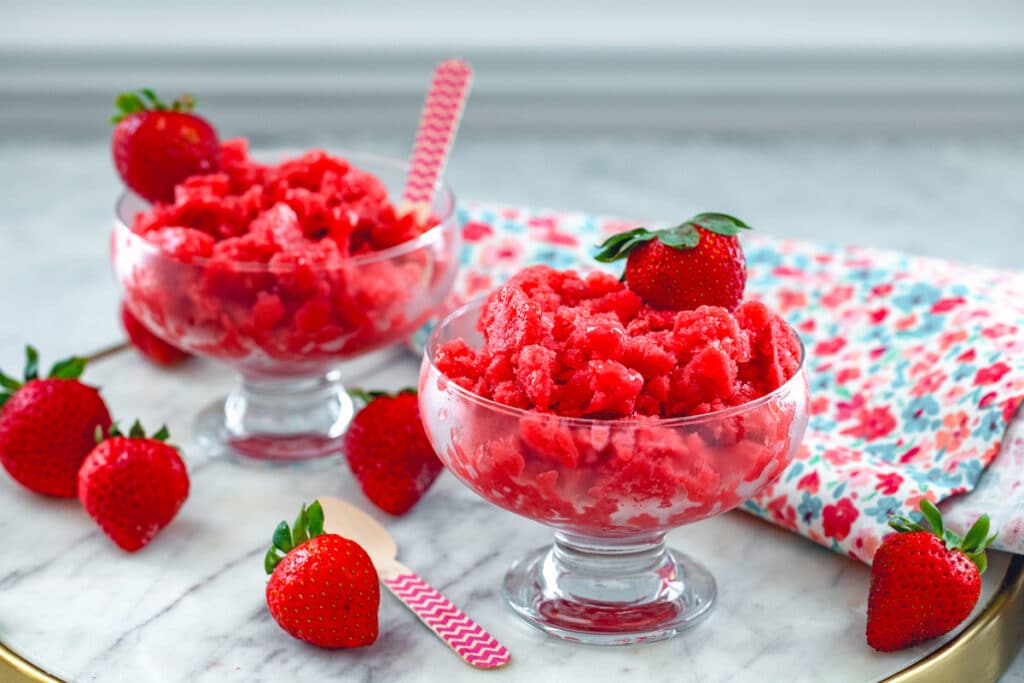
point(190, 606)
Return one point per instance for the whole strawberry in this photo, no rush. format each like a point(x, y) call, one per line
point(47, 426)
point(924, 583)
point(149, 345)
point(388, 450)
point(697, 263)
point(133, 486)
point(323, 588)
point(156, 146)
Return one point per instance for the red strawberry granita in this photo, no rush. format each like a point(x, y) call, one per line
point(280, 267)
point(575, 404)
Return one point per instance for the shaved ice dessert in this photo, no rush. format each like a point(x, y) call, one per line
point(568, 400)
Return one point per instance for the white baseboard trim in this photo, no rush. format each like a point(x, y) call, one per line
point(69, 92)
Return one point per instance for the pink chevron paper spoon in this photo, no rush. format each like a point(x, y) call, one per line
point(442, 111)
point(477, 647)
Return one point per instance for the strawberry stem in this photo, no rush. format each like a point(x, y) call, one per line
point(144, 99)
point(69, 368)
point(308, 524)
point(135, 432)
point(972, 545)
point(683, 237)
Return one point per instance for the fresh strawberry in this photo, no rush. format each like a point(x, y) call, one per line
point(924, 583)
point(323, 588)
point(47, 426)
point(156, 146)
point(697, 263)
point(388, 450)
point(133, 486)
point(151, 346)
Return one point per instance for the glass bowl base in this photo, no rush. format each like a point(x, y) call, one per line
point(588, 591)
point(295, 422)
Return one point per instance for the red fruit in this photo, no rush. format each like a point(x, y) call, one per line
point(389, 453)
point(323, 588)
point(133, 486)
point(48, 426)
point(697, 263)
point(151, 346)
point(156, 146)
point(924, 583)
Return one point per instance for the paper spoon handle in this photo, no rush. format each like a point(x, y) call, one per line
point(438, 123)
point(465, 637)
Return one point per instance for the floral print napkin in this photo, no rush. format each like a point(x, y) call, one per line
point(916, 369)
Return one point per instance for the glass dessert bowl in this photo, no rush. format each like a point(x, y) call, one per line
point(285, 323)
point(611, 489)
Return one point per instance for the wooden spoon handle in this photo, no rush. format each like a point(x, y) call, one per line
point(465, 637)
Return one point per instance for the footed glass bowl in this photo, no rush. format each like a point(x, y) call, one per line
point(286, 327)
point(610, 489)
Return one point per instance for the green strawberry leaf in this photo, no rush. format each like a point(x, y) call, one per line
point(271, 559)
point(309, 524)
point(69, 368)
point(137, 432)
point(934, 517)
point(720, 223)
point(952, 539)
point(31, 363)
point(979, 559)
point(129, 103)
point(9, 382)
point(904, 525)
point(4, 398)
point(162, 434)
point(315, 517)
point(282, 538)
point(977, 534)
point(618, 246)
point(184, 103)
point(299, 534)
point(681, 237)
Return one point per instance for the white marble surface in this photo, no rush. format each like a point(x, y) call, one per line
point(190, 606)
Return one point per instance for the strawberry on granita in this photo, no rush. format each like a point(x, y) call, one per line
point(697, 263)
point(157, 145)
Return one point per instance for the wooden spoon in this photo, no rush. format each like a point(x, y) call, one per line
point(475, 646)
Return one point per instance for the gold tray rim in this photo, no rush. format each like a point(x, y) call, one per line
point(981, 652)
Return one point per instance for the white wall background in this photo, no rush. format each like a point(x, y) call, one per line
point(578, 67)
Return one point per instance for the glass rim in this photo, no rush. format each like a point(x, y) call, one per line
point(428, 237)
point(429, 350)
